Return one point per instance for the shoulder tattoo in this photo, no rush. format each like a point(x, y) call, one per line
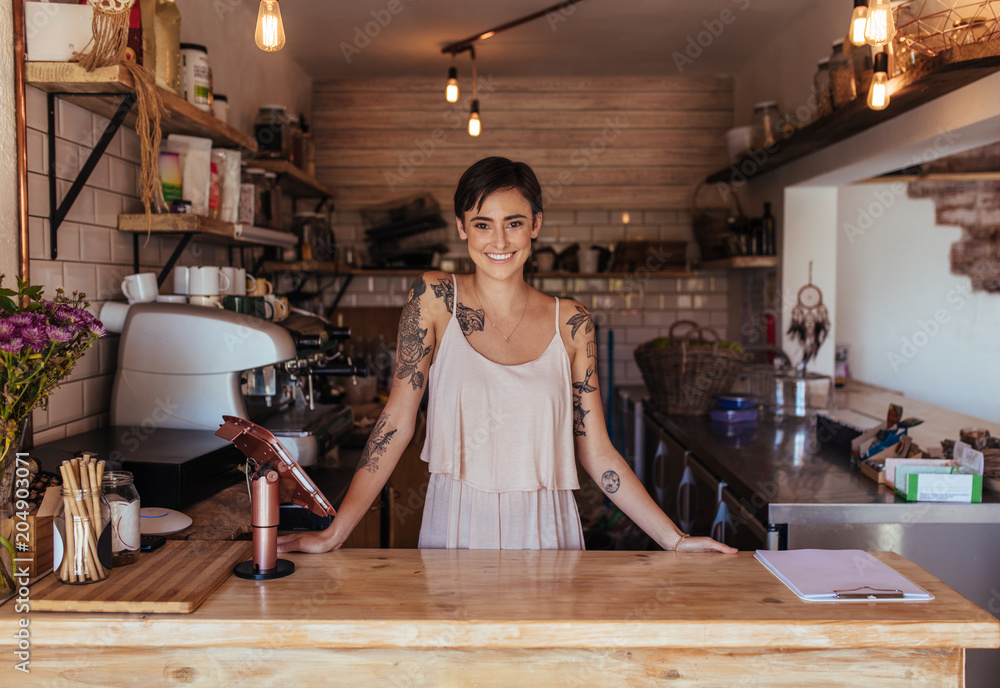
point(581, 319)
point(411, 350)
point(378, 443)
point(470, 320)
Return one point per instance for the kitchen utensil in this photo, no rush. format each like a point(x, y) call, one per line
point(143, 588)
point(588, 260)
point(237, 284)
point(140, 287)
point(279, 307)
point(260, 287)
point(207, 280)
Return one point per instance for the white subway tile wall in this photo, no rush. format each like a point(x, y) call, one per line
point(634, 310)
point(93, 256)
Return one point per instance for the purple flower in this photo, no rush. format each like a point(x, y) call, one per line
point(7, 328)
point(21, 320)
point(59, 334)
point(35, 337)
point(96, 326)
point(11, 345)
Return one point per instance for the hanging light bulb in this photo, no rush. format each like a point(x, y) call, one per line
point(270, 33)
point(880, 27)
point(475, 126)
point(859, 18)
point(878, 94)
point(451, 90)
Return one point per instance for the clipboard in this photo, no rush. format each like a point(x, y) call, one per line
point(840, 575)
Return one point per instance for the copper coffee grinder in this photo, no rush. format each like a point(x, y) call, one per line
point(268, 462)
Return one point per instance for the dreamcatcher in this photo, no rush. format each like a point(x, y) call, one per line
point(106, 49)
point(810, 320)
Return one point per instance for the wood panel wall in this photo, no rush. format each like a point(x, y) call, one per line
point(595, 143)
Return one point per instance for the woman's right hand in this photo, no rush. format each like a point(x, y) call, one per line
point(314, 542)
point(703, 544)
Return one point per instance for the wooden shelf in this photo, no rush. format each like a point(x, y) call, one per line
point(741, 263)
point(205, 227)
point(89, 90)
point(293, 180)
point(948, 71)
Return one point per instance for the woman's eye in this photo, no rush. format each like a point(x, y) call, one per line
point(482, 225)
point(515, 224)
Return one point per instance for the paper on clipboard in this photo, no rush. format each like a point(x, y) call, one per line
point(839, 575)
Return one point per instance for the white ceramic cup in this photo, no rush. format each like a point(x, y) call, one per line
point(140, 287)
point(279, 305)
point(237, 281)
point(181, 280)
point(113, 315)
point(207, 280)
point(209, 301)
point(171, 298)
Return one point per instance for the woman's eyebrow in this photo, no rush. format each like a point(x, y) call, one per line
point(490, 219)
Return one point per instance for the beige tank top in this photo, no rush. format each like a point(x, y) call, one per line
point(500, 428)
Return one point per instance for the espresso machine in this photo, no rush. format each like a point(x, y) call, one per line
point(185, 367)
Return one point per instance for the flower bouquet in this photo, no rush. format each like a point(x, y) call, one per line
point(40, 342)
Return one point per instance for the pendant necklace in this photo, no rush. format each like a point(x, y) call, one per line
point(505, 337)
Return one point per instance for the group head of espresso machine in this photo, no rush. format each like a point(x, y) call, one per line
point(183, 366)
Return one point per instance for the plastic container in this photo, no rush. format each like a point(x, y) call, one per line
point(123, 502)
point(220, 104)
point(272, 131)
point(196, 76)
point(765, 117)
point(81, 539)
point(734, 402)
point(733, 416)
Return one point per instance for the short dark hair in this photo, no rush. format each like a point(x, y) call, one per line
point(496, 174)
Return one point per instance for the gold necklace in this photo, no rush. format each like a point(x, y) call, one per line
point(505, 337)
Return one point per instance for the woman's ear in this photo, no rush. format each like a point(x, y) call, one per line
point(536, 225)
point(461, 229)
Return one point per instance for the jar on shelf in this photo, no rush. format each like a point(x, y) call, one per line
point(295, 150)
point(765, 118)
point(250, 178)
point(196, 76)
point(861, 60)
point(316, 240)
point(273, 200)
point(123, 502)
point(81, 538)
point(842, 76)
point(824, 88)
point(272, 131)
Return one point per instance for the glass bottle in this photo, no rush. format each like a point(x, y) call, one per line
point(123, 500)
point(770, 233)
point(842, 76)
point(81, 539)
point(765, 116)
point(274, 197)
point(824, 88)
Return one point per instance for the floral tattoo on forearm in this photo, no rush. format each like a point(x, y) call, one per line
point(378, 443)
point(411, 350)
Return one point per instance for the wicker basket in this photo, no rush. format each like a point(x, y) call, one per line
point(685, 376)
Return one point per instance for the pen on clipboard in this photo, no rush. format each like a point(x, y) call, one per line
point(863, 592)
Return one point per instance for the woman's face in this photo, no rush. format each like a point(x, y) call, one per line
point(500, 233)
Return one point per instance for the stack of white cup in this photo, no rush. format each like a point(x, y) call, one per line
point(202, 285)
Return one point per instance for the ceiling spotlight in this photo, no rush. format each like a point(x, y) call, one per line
point(451, 90)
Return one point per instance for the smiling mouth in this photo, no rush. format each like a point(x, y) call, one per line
point(499, 257)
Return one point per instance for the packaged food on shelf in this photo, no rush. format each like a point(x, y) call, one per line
point(196, 76)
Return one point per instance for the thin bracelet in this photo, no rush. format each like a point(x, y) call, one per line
point(679, 541)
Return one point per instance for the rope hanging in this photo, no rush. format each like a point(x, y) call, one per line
point(106, 49)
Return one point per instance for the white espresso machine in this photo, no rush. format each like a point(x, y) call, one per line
point(183, 366)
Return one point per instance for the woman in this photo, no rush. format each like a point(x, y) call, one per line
point(513, 398)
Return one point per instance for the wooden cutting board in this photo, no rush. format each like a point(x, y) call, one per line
point(173, 579)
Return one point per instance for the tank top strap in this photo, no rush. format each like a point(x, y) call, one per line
point(454, 305)
point(557, 314)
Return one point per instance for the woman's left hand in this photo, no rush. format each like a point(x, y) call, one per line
point(704, 544)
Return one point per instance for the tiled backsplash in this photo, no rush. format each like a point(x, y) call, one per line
point(636, 309)
point(93, 256)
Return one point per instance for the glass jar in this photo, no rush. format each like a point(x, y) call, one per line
point(824, 88)
point(81, 539)
point(123, 501)
point(271, 129)
point(842, 76)
point(765, 116)
point(861, 60)
point(273, 198)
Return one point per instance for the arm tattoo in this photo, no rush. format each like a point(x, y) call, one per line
point(411, 350)
point(581, 319)
point(610, 482)
point(377, 444)
point(579, 413)
point(592, 349)
point(470, 320)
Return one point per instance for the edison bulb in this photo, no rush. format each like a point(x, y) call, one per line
point(451, 90)
point(880, 27)
point(858, 20)
point(270, 33)
point(475, 126)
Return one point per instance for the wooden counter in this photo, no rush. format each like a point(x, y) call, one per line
point(506, 618)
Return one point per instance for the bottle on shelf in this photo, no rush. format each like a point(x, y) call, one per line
point(765, 118)
point(770, 234)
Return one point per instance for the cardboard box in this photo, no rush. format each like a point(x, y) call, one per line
point(39, 535)
point(963, 488)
